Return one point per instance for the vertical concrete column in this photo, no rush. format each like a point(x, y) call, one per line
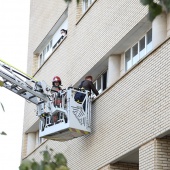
point(155, 155)
point(24, 145)
point(113, 69)
point(159, 29)
point(37, 138)
point(122, 65)
point(162, 153)
point(168, 24)
point(31, 142)
point(35, 63)
point(146, 156)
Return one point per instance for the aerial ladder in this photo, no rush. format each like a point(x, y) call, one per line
point(74, 119)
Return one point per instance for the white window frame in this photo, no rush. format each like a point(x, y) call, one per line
point(89, 2)
point(144, 50)
point(138, 56)
point(45, 53)
point(101, 81)
point(150, 44)
point(41, 60)
point(39, 140)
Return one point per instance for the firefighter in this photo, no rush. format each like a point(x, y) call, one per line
point(56, 88)
point(56, 84)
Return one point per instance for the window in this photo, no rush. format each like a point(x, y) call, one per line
point(52, 39)
point(104, 81)
point(142, 47)
point(47, 48)
point(86, 4)
point(39, 140)
point(101, 82)
point(45, 53)
point(57, 37)
point(139, 50)
point(149, 40)
point(128, 59)
point(98, 84)
point(135, 56)
point(53, 43)
point(41, 59)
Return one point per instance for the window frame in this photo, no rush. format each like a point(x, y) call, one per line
point(89, 3)
point(45, 53)
point(101, 81)
point(139, 55)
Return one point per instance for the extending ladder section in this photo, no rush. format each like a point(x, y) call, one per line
point(21, 84)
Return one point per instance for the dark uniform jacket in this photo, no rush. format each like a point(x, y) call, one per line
point(88, 85)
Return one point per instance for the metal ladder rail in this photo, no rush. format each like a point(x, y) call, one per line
point(18, 86)
point(13, 72)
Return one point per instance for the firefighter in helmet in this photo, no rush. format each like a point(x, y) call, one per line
point(55, 90)
point(56, 84)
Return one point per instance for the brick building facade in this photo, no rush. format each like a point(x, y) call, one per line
point(128, 57)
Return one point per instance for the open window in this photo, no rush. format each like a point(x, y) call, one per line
point(53, 39)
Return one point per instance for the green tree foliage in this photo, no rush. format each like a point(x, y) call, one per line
point(49, 162)
point(3, 133)
point(156, 8)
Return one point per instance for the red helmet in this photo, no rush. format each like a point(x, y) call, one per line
point(56, 79)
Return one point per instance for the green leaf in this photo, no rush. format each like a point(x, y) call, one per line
point(42, 166)
point(52, 165)
point(68, 1)
point(60, 159)
point(35, 166)
point(46, 156)
point(146, 2)
point(47, 163)
point(25, 165)
point(1, 83)
point(3, 133)
point(62, 167)
point(165, 5)
point(51, 150)
point(47, 167)
point(154, 10)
